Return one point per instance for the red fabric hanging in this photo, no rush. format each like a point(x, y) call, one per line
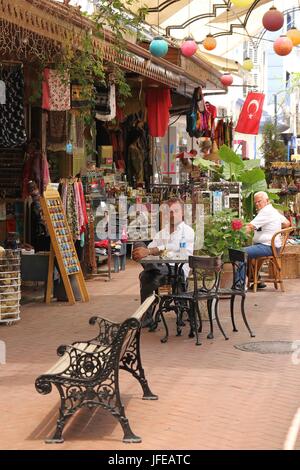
point(158, 102)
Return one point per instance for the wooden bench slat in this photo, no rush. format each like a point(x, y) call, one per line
point(143, 307)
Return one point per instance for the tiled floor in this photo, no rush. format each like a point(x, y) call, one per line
point(212, 396)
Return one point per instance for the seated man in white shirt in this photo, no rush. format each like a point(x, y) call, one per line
point(267, 222)
point(155, 275)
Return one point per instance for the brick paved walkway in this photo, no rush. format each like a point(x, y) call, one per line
point(212, 396)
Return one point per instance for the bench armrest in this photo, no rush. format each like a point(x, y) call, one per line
point(76, 364)
point(107, 330)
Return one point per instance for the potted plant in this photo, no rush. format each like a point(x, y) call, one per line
point(224, 230)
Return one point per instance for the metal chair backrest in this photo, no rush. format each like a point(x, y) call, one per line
point(284, 234)
point(238, 260)
point(206, 273)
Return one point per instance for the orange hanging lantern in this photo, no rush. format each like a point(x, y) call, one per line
point(294, 35)
point(283, 45)
point(209, 42)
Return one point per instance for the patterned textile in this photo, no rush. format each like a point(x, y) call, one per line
point(75, 208)
point(57, 127)
point(12, 128)
point(105, 107)
point(56, 91)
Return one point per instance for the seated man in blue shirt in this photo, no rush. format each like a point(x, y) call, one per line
point(155, 275)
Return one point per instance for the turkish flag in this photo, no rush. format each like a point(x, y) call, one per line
point(251, 112)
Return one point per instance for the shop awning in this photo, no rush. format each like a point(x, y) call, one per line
point(60, 23)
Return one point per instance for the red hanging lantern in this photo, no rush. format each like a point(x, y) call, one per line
point(209, 42)
point(273, 19)
point(226, 79)
point(283, 45)
point(188, 47)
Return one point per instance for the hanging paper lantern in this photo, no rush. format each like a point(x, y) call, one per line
point(248, 64)
point(283, 45)
point(226, 79)
point(273, 19)
point(242, 3)
point(209, 42)
point(158, 47)
point(294, 35)
point(188, 47)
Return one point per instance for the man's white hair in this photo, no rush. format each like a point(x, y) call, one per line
point(262, 194)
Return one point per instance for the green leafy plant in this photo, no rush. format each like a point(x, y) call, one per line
point(84, 64)
point(222, 231)
point(273, 149)
point(252, 177)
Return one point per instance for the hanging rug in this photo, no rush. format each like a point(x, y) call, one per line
point(269, 347)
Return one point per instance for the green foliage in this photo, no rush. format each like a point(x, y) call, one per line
point(273, 148)
point(205, 164)
point(219, 234)
point(251, 176)
point(85, 65)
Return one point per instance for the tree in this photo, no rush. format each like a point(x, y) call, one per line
point(272, 147)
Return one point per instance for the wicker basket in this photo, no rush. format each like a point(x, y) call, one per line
point(10, 286)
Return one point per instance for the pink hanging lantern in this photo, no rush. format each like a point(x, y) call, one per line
point(283, 45)
point(188, 47)
point(226, 79)
point(273, 19)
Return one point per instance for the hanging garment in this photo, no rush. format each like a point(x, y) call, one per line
point(105, 106)
point(136, 163)
point(56, 91)
point(198, 118)
point(158, 101)
point(57, 128)
point(12, 127)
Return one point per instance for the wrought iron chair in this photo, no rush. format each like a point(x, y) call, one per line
point(238, 260)
point(274, 262)
point(206, 278)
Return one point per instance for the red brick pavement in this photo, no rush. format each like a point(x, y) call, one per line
point(212, 396)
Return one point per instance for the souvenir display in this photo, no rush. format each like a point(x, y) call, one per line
point(62, 247)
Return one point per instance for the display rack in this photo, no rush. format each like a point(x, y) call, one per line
point(10, 286)
point(62, 247)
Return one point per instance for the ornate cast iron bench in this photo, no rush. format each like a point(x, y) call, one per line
point(87, 374)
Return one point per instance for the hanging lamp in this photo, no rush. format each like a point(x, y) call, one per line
point(273, 19)
point(188, 47)
point(226, 79)
point(242, 3)
point(294, 35)
point(283, 45)
point(209, 42)
point(158, 47)
point(248, 64)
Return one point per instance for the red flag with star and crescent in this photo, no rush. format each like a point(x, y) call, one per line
point(250, 116)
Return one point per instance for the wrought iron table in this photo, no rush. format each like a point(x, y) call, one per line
point(167, 303)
